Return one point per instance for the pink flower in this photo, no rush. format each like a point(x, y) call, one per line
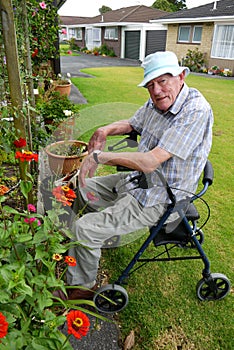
point(64, 31)
point(31, 208)
point(92, 197)
point(42, 5)
point(29, 220)
point(69, 52)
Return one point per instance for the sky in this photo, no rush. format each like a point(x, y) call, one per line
point(89, 8)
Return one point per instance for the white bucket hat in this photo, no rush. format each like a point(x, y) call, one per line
point(159, 63)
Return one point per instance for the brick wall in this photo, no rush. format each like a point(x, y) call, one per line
point(113, 44)
point(205, 46)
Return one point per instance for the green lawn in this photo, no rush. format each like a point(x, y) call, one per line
point(163, 309)
point(64, 50)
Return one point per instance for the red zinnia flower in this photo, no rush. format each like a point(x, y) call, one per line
point(20, 143)
point(70, 260)
point(3, 326)
point(77, 323)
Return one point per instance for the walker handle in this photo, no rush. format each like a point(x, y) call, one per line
point(208, 174)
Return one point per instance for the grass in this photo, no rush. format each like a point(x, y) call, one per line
point(163, 309)
point(64, 50)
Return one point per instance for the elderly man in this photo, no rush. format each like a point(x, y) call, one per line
point(175, 127)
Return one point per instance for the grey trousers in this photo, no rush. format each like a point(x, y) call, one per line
point(112, 214)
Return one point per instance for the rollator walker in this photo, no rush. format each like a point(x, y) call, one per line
point(112, 298)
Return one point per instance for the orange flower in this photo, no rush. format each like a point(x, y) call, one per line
point(26, 156)
point(64, 194)
point(3, 326)
point(70, 260)
point(3, 189)
point(77, 323)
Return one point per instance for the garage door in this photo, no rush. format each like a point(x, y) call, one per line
point(155, 41)
point(132, 44)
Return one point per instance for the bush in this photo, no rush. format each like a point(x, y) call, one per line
point(72, 44)
point(194, 60)
point(55, 105)
point(106, 50)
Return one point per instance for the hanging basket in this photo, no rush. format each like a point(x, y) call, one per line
point(64, 164)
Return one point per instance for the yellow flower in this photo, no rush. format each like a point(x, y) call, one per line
point(65, 188)
point(57, 257)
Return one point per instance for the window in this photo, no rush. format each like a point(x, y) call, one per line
point(197, 34)
point(111, 33)
point(96, 34)
point(75, 33)
point(190, 34)
point(223, 42)
point(184, 34)
point(78, 33)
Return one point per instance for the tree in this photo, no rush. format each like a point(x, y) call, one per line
point(170, 5)
point(104, 9)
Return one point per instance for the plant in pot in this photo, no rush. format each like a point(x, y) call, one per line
point(54, 108)
point(66, 156)
point(62, 84)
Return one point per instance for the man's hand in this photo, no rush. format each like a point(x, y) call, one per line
point(97, 141)
point(88, 167)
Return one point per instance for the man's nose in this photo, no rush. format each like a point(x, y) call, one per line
point(156, 88)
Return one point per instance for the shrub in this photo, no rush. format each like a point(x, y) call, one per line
point(106, 50)
point(194, 60)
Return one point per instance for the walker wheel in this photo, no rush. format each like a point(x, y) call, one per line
point(215, 287)
point(110, 298)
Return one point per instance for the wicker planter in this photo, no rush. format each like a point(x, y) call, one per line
point(63, 89)
point(64, 164)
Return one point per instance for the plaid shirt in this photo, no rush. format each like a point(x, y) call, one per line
point(185, 131)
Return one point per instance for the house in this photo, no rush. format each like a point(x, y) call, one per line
point(210, 28)
point(128, 31)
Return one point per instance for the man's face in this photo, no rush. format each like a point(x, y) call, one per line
point(165, 89)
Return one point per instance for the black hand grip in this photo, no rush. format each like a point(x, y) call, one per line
point(208, 174)
point(130, 141)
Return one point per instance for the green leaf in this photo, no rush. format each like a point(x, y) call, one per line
point(25, 238)
point(25, 187)
point(51, 343)
point(23, 288)
point(10, 210)
point(2, 199)
point(40, 252)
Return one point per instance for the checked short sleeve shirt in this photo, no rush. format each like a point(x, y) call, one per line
point(185, 131)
